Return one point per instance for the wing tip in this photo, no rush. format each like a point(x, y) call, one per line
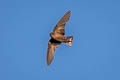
point(48, 64)
point(69, 11)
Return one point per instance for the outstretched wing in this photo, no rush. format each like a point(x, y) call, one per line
point(50, 52)
point(59, 28)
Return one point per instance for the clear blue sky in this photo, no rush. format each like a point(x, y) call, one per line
point(24, 33)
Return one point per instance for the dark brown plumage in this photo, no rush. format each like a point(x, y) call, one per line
point(57, 37)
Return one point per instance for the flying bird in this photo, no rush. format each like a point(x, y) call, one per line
point(57, 37)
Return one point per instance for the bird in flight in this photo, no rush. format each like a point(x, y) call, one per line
point(57, 37)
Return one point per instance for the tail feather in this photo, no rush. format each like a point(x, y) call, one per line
point(69, 40)
point(69, 43)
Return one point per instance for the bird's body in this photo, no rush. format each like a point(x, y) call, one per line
point(57, 37)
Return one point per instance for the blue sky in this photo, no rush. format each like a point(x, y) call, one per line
point(24, 33)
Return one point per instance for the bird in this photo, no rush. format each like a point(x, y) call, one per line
point(57, 37)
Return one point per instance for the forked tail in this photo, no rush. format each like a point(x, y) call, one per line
point(69, 40)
